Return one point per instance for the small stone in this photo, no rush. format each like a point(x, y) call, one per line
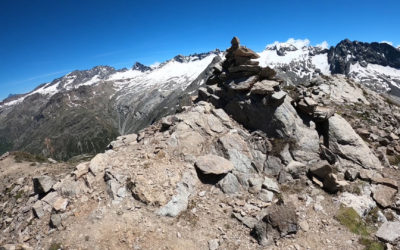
point(266, 195)
point(304, 226)
point(60, 204)
point(351, 174)
point(55, 220)
point(278, 97)
point(81, 169)
point(213, 244)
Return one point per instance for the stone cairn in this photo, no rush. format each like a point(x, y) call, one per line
point(239, 79)
point(240, 74)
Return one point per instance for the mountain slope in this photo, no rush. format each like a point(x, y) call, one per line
point(84, 110)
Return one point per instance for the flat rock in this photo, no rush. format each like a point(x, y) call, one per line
point(278, 97)
point(265, 87)
point(247, 68)
point(248, 221)
point(213, 164)
point(383, 195)
point(245, 52)
point(244, 83)
point(60, 204)
point(323, 113)
point(389, 232)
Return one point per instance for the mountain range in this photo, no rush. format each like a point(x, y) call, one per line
point(84, 110)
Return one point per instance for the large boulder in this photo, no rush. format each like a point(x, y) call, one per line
point(279, 221)
point(279, 122)
point(42, 184)
point(348, 145)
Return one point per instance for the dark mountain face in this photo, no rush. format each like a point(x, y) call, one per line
point(347, 52)
point(141, 67)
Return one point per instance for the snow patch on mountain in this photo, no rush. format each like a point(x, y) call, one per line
point(298, 55)
point(379, 77)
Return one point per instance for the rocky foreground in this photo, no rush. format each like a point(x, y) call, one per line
point(253, 163)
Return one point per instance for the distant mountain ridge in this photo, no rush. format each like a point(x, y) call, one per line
point(84, 110)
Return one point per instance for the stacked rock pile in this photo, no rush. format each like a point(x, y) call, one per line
point(240, 73)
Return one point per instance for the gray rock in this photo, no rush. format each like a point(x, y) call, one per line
point(213, 164)
point(230, 184)
point(296, 169)
point(278, 97)
point(272, 165)
point(38, 209)
point(255, 185)
point(234, 148)
point(280, 220)
point(55, 220)
point(347, 144)
point(389, 232)
point(271, 185)
point(42, 184)
point(248, 221)
point(244, 83)
point(266, 195)
point(180, 200)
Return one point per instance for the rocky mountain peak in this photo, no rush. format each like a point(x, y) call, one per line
point(251, 157)
point(140, 67)
point(349, 52)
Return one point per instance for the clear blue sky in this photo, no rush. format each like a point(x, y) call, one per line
point(44, 39)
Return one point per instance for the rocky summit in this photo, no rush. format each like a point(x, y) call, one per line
point(254, 162)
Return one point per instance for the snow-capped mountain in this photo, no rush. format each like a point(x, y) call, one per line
point(376, 65)
point(296, 60)
point(84, 110)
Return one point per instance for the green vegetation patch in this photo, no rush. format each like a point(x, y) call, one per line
point(371, 244)
point(349, 218)
point(24, 156)
point(55, 246)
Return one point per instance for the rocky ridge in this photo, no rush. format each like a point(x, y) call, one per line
point(251, 163)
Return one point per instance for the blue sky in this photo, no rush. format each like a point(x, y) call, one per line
point(44, 39)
